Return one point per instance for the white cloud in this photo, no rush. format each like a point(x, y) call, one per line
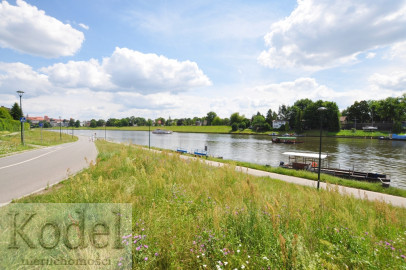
point(397, 51)
point(131, 71)
point(320, 34)
point(151, 73)
point(84, 26)
point(19, 76)
point(79, 74)
point(26, 29)
point(395, 81)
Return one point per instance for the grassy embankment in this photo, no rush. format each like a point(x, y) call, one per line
point(11, 142)
point(228, 130)
point(195, 216)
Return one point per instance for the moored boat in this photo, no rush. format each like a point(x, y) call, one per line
point(161, 131)
point(309, 161)
point(287, 140)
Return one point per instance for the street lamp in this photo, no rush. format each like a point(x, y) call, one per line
point(321, 109)
point(20, 93)
point(60, 128)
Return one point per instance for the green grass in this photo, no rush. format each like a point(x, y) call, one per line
point(11, 142)
point(194, 215)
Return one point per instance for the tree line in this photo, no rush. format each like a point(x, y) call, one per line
point(302, 115)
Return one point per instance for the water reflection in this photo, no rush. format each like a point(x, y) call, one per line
point(362, 154)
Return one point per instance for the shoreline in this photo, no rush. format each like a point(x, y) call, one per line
point(210, 130)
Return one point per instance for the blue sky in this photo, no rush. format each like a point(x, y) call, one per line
point(102, 59)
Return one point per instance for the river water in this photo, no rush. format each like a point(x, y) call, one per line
point(368, 155)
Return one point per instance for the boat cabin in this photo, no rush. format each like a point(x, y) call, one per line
point(303, 161)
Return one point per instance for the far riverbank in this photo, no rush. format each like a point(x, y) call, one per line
point(227, 130)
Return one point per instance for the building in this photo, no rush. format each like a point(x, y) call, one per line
point(276, 124)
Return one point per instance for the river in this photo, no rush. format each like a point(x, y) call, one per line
point(369, 155)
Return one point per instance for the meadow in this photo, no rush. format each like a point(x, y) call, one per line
point(11, 142)
point(193, 216)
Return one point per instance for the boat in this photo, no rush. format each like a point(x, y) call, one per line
point(181, 150)
point(200, 153)
point(369, 128)
point(161, 131)
point(287, 140)
point(309, 161)
point(397, 137)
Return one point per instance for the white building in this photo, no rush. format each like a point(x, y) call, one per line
point(276, 124)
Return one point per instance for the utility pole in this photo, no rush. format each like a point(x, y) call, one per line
point(355, 125)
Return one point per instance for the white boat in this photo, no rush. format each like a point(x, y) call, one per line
point(161, 131)
point(369, 128)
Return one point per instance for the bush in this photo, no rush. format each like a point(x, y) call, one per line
point(234, 127)
point(242, 125)
point(12, 125)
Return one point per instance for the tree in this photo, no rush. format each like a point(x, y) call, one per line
point(16, 112)
point(234, 127)
point(242, 125)
point(210, 117)
point(282, 112)
point(360, 111)
point(236, 118)
point(298, 121)
point(124, 122)
point(71, 122)
point(77, 123)
point(101, 123)
point(111, 122)
point(93, 123)
point(258, 123)
point(270, 116)
point(217, 121)
point(4, 113)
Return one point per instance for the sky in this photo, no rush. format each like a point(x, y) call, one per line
point(114, 59)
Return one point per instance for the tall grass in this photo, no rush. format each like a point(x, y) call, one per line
point(195, 216)
point(11, 142)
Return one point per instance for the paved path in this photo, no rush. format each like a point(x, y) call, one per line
point(31, 171)
point(358, 193)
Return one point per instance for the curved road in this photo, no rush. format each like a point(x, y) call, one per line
point(31, 171)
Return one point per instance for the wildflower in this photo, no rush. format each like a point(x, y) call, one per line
point(145, 246)
point(247, 262)
point(138, 248)
point(265, 258)
point(194, 242)
point(135, 241)
point(202, 254)
point(225, 263)
point(403, 256)
point(242, 266)
point(120, 264)
point(238, 251)
point(204, 266)
point(156, 254)
point(146, 259)
point(249, 256)
point(198, 256)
